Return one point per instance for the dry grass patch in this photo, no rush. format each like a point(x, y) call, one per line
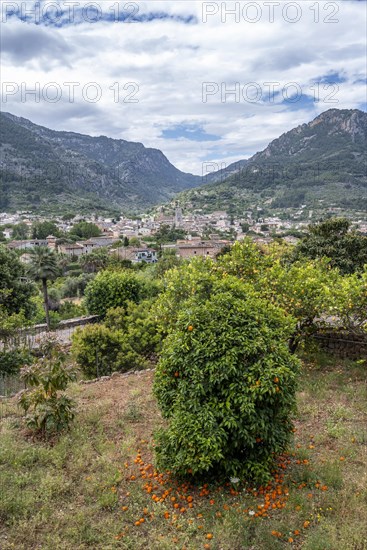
point(94, 487)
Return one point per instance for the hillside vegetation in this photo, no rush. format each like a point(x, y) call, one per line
point(320, 164)
point(46, 169)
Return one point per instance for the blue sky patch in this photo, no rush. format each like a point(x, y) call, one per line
point(192, 132)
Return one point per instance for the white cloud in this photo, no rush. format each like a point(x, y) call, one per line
point(170, 60)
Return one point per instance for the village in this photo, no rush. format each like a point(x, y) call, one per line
point(134, 238)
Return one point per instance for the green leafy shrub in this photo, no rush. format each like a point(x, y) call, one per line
point(226, 384)
point(12, 361)
point(48, 410)
point(100, 350)
point(139, 324)
point(350, 302)
point(96, 349)
point(75, 286)
point(70, 310)
point(112, 289)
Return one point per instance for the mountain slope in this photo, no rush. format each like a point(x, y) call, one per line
point(45, 168)
point(323, 161)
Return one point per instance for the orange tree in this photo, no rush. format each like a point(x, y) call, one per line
point(226, 380)
point(306, 289)
point(351, 302)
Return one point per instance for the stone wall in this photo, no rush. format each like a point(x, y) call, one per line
point(343, 344)
point(69, 323)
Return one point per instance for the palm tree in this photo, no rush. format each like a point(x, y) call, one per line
point(44, 267)
point(94, 261)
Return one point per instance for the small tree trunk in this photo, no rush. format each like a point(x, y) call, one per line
point(45, 303)
point(293, 344)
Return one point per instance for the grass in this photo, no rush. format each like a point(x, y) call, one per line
point(88, 489)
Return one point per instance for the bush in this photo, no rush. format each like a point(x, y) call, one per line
point(12, 361)
point(139, 325)
point(75, 286)
point(96, 349)
point(100, 350)
point(70, 310)
point(226, 384)
point(112, 289)
point(47, 411)
point(350, 302)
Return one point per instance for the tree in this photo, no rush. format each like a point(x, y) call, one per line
point(95, 261)
point(303, 289)
point(15, 289)
point(20, 231)
point(334, 239)
point(225, 383)
point(112, 289)
point(85, 230)
point(41, 230)
point(350, 302)
point(168, 260)
point(48, 410)
point(44, 267)
point(134, 241)
point(167, 234)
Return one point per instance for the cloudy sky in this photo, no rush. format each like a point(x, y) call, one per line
point(202, 81)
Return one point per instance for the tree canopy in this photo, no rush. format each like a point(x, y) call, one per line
point(334, 239)
point(85, 230)
point(41, 230)
point(15, 289)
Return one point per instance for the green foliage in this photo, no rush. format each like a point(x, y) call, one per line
point(95, 261)
point(167, 261)
point(304, 290)
point(85, 230)
point(48, 410)
point(12, 361)
point(226, 384)
point(129, 339)
point(350, 302)
point(134, 241)
point(100, 350)
point(96, 349)
point(44, 267)
point(20, 231)
point(10, 324)
point(75, 286)
point(15, 289)
point(333, 239)
point(44, 264)
point(167, 234)
point(139, 325)
point(70, 310)
point(112, 289)
point(42, 230)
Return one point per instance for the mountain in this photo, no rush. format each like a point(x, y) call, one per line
point(319, 163)
point(43, 169)
point(224, 173)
